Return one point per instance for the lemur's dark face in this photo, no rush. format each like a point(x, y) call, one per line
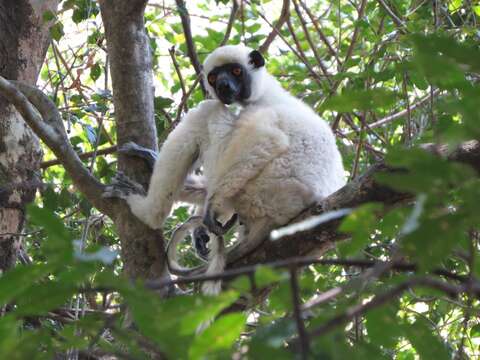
point(232, 82)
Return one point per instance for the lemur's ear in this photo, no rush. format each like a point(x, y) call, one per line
point(256, 59)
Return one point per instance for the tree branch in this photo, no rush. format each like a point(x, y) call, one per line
point(380, 299)
point(399, 22)
point(187, 31)
point(284, 15)
point(299, 262)
point(41, 114)
point(231, 20)
point(390, 118)
point(83, 156)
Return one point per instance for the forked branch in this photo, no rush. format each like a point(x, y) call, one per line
point(41, 114)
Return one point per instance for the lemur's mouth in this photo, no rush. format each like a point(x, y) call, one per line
point(227, 98)
point(227, 101)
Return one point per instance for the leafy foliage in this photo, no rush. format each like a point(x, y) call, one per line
point(356, 63)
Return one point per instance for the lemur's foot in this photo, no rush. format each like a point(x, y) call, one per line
point(121, 187)
point(200, 240)
point(132, 149)
point(215, 226)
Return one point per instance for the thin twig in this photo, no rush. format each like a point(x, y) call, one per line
point(301, 55)
point(284, 15)
point(399, 22)
point(315, 76)
point(388, 119)
point(187, 31)
point(299, 261)
point(408, 124)
point(185, 98)
point(83, 156)
point(356, 31)
point(171, 51)
point(310, 42)
point(358, 151)
point(322, 36)
point(385, 297)
point(231, 20)
point(302, 333)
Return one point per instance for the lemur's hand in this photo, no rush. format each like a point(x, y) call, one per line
point(122, 187)
point(210, 220)
point(200, 240)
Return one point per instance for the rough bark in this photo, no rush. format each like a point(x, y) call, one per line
point(23, 43)
point(132, 80)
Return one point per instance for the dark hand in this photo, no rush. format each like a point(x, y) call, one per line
point(200, 240)
point(213, 225)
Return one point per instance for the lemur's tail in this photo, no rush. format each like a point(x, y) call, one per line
point(178, 235)
point(216, 265)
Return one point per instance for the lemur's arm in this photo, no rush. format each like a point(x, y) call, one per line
point(172, 166)
point(256, 141)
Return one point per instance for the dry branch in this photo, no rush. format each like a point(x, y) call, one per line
point(83, 156)
point(388, 119)
point(41, 114)
point(284, 15)
point(399, 22)
point(187, 31)
point(383, 298)
point(231, 20)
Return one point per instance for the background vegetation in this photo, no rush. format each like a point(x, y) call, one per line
point(388, 76)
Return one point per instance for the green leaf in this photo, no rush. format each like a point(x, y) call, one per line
point(425, 342)
point(382, 325)
point(171, 323)
point(162, 102)
point(95, 71)
point(351, 100)
point(422, 172)
point(434, 239)
point(43, 297)
point(265, 275)
point(48, 16)
point(475, 331)
point(221, 335)
point(56, 31)
point(59, 243)
point(91, 134)
point(84, 9)
point(360, 224)
point(16, 281)
point(268, 342)
point(9, 334)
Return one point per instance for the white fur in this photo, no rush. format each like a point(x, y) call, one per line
point(266, 164)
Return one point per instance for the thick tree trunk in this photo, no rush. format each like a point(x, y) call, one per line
point(24, 41)
point(132, 80)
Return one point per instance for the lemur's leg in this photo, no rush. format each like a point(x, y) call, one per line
point(193, 192)
point(175, 160)
point(253, 146)
point(250, 237)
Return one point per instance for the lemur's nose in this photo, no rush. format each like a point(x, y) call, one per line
point(224, 86)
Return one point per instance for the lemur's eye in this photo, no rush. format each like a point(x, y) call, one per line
point(212, 78)
point(237, 71)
